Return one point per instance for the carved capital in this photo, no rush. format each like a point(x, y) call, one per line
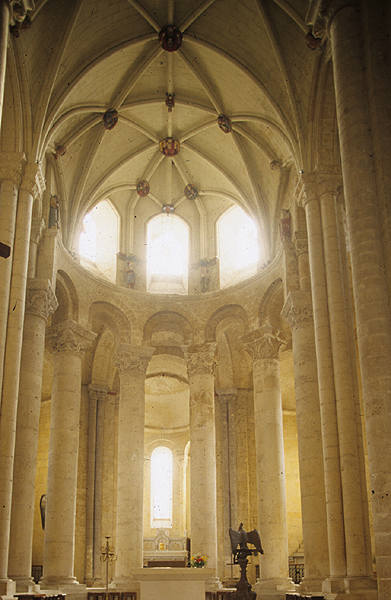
point(201, 359)
point(97, 392)
point(265, 342)
point(227, 395)
point(324, 180)
point(321, 13)
point(11, 166)
point(33, 180)
point(69, 337)
point(132, 359)
point(40, 298)
point(297, 309)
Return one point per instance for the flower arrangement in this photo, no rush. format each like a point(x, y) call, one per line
point(198, 561)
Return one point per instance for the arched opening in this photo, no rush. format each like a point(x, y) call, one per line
point(98, 242)
point(238, 251)
point(161, 487)
point(167, 255)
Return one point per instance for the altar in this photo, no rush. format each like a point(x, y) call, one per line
point(174, 584)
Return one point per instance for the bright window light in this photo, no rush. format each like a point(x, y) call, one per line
point(238, 247)
point(161, 487)
point(167, 255)
point(98, 241)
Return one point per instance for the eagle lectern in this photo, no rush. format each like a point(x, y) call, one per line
point(240, 550)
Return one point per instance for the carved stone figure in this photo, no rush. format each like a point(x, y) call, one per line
point(54, 213)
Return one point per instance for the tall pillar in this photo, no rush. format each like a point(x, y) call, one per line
point(132, 363)
point(345, 390)
point(4, 29)
point(201, 362)
point(40, 304)
point(68, 342)
point(367, 258)
point(97, 395)
point(298, 312)
point(227, 403)
point(330, 442)
point(32, 184)
point(264, 345)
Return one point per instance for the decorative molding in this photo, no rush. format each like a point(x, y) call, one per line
point(132, 359)
point(40, 298)
point(201, 359)
point(324, 180)
point(297, 309)
point(227, 395)
point(33, 181)
point(37, 227)
point(11, 166)
point(97, 392)
point(265, 342)
point(321, 13)
point(69, 337)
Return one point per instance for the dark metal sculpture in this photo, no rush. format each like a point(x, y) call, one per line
point(240, 550)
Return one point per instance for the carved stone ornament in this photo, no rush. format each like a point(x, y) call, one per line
point(33, 180)
point(132, 359)
point(143, 188)
point(321, 181)
point(264, 342)
point(97, 392)
point(201, 360)
point(191, 192)
point(170, 101)
point(170, 38)
point(169, 146)
point(300, 241)
point(110, 118)
point(224, 123)
point(40, 298)
point(168, 209)
point(69, 337)
point(227, 395)
point(11, 166)
point(297, 309)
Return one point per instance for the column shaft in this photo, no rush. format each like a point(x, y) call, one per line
point(332, 475)
point(369, 283)
point(40, 303)
point(298, 312)
point(263, 345)
point(132, 362)
point(68, 342)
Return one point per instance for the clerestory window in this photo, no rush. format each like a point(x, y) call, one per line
point(167, 255)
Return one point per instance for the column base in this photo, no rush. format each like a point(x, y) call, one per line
point(357, 588)
point(313, 586)
point(26, 584)
point(273, 589)
point(125, 584)
point(7, 587)
point(213, 584)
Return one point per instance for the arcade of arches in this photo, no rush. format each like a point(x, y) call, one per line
point(266, 396)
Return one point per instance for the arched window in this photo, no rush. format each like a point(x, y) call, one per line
point(237, 237)
point(167, 255)
point(98, 242)
point(161, 487)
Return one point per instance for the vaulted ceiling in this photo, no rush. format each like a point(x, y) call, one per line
point(247, 60)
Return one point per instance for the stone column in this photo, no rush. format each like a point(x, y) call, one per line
point(132, 363)
point(31, 185)
point(227, 400)
point(4, 29)
point(332, 473)
point(298, 312)
point(367, 258)
point(96, 396)
point(264, 345)
point(201, 362)
point(345, 390)
point(68, 342)
point(40, 304)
